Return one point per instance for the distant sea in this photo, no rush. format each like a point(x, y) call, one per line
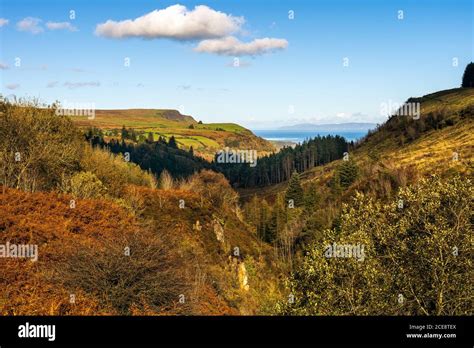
point(297, 136)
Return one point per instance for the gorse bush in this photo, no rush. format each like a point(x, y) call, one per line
point(113, 171)
point(84, 185)
point(417, 257)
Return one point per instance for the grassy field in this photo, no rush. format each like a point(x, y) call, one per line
point(205, 139)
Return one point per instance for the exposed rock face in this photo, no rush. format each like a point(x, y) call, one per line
point(243, 277)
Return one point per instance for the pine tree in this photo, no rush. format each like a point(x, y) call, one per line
point(133, 135)
point(347, 172)
point(277, 219)
point(263, 221)
point(335, 184)
point(172, 142)
point(468, 77)
point(311, 197)
point(124, 133)
point(295, 191)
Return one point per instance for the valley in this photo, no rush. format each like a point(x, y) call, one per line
point(186, 236)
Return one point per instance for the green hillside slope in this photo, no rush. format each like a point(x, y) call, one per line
point(205, 139)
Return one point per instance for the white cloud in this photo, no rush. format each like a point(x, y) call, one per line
point(174, 22)
point(60, 26)
point(231, 46)
point(4, 66)
point(52, 84)
point(30, 24)
point(3, 22)
point(12, 86)
point(73, 85)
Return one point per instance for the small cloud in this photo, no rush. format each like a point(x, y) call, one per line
point(174, 22)
point(73, 85)
point(60, 26)
point(140, 85)
point(12, 86)
point(31, 25)
point(231, 46)
point(3, 22)
point(52, 84)
point(4, 66)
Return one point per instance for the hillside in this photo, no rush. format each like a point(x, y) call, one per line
point(205, 139)
point(111, 239)
point(443, 142)
point(359, 231)
point(174, 254)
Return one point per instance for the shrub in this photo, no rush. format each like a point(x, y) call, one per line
point(166, 180)
point(85, 185)
point(113, 171)
point(37, 147)
point(150, 274)
point(418, 255)
point(212, 187)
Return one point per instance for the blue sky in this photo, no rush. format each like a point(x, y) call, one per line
point(298, 78)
